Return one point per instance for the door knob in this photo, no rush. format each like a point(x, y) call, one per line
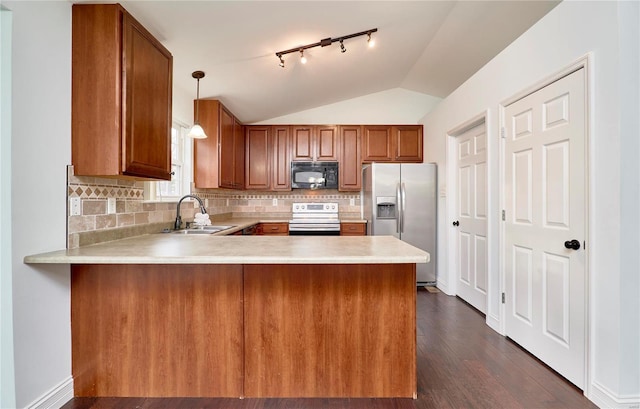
point(572, 244)
point(456, 223)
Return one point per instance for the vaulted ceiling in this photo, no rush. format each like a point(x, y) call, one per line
point(430, 47)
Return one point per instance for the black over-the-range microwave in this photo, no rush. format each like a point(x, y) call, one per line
point(314, 175)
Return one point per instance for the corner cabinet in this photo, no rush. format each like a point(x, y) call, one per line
point(218, 160)
point(387, 143)
point(120, 96)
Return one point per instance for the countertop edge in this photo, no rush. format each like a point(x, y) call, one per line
point(34, 260)
point(199, 249)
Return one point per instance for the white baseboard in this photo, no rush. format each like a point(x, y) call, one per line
point(604, 398)
point(442, 286)
point(56, 397)
point(494, 323)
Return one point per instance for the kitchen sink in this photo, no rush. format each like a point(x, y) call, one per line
point(203, 229)
point(215, 227)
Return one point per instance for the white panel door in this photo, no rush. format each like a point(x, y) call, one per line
point(471, 217)
point(545, 207)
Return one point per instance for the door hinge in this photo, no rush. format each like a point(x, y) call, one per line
point(503, 133)
point(504, 215)
point(503, 297)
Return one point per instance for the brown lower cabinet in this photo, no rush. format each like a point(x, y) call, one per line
point(273, 229)
point(353, 229)
point(268, 330)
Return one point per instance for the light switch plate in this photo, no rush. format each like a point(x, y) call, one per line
point(111, 205)
point(274, 202)
point(74, 206)
point(352, 202)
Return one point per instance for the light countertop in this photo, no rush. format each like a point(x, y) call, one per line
point(216, 249)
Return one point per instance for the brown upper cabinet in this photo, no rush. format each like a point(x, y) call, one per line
point(281, 157)
point(268, 158)
point(121, 82)
point(219, 159)
point(350, 167)
point(258, 158)
point(314, 143)
point(387, 143)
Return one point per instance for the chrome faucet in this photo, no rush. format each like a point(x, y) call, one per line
point(178, 224)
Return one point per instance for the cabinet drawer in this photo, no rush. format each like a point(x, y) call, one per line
point(279, 229)
point(353, 229)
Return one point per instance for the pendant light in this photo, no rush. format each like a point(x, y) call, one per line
point(196, 131)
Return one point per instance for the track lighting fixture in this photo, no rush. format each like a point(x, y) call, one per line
point(326, 42)
point(196, 130)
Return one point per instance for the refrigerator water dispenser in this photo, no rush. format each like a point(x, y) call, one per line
point(386, 207)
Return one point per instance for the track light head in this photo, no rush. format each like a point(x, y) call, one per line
point(342, 49)
point(281, 60)
point(370, 40)
point(303, 59)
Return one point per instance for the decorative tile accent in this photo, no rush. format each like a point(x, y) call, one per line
point(134, 216)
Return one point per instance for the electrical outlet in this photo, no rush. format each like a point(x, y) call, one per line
point(74, 206)
point(274, 202)
point(111, 205)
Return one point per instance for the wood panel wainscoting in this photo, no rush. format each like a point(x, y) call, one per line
point(330, 330)
point(156, 330)
point(342, 330)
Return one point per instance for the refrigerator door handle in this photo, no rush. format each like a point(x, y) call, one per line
point(403, 203)
point(398, 209)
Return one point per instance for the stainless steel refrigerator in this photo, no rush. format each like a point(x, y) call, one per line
point(400, 200)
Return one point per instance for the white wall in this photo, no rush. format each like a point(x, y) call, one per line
point(394, 106)
point(567, 33)
point(41, 149)
point(7, 381)
point(629, 168)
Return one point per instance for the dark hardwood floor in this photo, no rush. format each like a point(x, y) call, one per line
point(462, 363)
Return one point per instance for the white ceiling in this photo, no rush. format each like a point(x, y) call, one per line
point(429, 47)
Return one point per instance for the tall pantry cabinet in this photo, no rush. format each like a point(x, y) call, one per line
point(120, 96)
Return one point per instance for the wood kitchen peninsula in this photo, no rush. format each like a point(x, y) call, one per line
point(166, 315)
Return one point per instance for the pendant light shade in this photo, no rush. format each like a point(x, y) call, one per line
point(196, 130)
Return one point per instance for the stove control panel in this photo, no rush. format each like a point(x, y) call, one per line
point(315, 208)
